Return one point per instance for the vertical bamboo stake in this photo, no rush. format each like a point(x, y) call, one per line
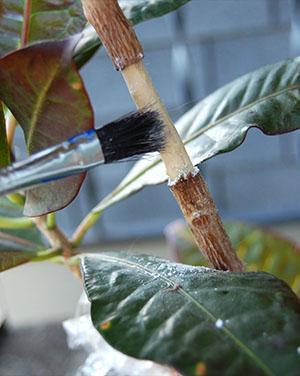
point(186, 183)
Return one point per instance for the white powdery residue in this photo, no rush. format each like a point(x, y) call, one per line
point(183, 175)
point(219, 324)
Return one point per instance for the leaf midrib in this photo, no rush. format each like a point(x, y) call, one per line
point(39, 104)
point(245, 108)
point(202, 308)
point(101, 207)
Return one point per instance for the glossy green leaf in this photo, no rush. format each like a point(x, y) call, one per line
point(194, 318)
point(4, 150)
point(48, 19)
point(260, 250)
point(47, 96)
point(135, 10)
point(268, 99)
point(18, 245)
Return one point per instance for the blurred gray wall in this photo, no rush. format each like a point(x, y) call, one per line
point(189, 54)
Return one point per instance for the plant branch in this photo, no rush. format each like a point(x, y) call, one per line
point(58, 240)
point(47, 254)
point(55, 236)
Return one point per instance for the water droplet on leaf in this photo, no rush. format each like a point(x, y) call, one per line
point(219, 323)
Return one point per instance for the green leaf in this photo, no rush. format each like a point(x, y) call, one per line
point(194, 318)
point(48, 19)
point(136, 11)
point(268, 99)
point(260, 249)
point(142, 10)
point(44, 91)
point(4, 150)
point(17, 246)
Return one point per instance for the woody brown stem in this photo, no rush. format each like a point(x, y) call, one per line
point(123, 47)
point(203, 219)
point(115, 31)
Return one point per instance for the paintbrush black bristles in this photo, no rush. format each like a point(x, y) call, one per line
point(138, 133)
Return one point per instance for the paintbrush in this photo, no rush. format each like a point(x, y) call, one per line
point(137, 133)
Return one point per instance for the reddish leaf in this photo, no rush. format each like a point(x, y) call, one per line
point(44, 91)
point(48, 19)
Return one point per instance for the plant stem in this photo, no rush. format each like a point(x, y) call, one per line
point(126, 53)
point(47, 254)
point(56, 237)
point(51, 221)
point(186, 182)
point(58, 240)
point(202, 217)
point(144, 94)
point(84, 226)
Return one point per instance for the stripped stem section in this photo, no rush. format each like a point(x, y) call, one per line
point(144, 94)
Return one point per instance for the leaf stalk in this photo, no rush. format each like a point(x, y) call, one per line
point(15, 223)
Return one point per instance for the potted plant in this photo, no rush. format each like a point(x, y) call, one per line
point(194, 319)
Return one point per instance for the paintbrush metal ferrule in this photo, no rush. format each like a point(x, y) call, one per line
point(76, 155)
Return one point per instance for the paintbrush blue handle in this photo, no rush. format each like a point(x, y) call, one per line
point(78, 154)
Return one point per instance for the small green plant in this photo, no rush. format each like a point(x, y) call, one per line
point(197, 320)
